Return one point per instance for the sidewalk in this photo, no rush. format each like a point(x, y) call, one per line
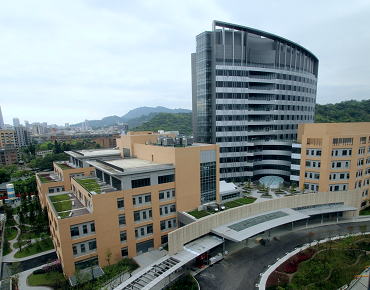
point(23, 285)
point(10, 257)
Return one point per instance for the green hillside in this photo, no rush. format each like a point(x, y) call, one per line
point(169, 122)
point(346, 111)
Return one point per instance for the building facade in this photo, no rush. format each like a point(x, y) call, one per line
point(334, 157)
point(23, 136)
point(127, 203)
point(250, 91)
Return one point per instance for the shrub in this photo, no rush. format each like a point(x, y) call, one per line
point(39, 271)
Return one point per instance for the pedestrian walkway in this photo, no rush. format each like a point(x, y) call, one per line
point(10, 257)
point(23, 285)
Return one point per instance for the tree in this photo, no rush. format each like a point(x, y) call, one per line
point(4, 176)
point(108, 254)
point(16, 268)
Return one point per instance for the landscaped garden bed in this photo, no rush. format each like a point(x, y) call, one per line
point(328, 265)
point(90, 184)
point(198, 214)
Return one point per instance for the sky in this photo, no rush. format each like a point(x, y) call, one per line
point(67, 61)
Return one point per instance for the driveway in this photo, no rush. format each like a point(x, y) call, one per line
point(241, 269)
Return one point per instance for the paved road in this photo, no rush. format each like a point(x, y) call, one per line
point(241, 269)
point(29, 264)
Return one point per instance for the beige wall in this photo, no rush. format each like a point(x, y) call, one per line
point(326, 132)
point(178, 238)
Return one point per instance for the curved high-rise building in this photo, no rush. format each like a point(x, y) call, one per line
point(250, 91)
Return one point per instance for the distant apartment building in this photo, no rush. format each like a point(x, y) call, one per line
point(333, 157)
point(104, 140)
point(8, 155)
point(7, 138)
point(126, 199)
point(23, 136)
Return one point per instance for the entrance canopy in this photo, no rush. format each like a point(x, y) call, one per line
point(247, 227)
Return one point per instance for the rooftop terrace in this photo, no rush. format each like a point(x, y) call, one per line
point(66, 205)
point(46, 177)
point(94, 185)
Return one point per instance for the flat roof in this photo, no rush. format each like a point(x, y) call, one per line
point(93, 152)
point(129, 165)
point(247, 227)
point(228, 187)
point(326, 209)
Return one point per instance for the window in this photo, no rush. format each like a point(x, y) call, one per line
point(124, 252)
point(74, 248)
point(92, 227)
point(92, 245)
point(339, 164)
point(120, 204)
point(148, 198)
point(123, 236)
point(136, 216)
point(149, 229)
point(166, 178)
point(140, 182)
point(361, 151)
point(172, 208)
point(161, 195)
point(318, 153)
point(75, 232)
point(84, 229)
point(82, 246)
point(360, 162)
point(363, 140)
point(121, 220)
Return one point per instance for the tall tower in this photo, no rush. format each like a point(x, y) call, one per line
point(1, 119)
point(16, 122)
point(250, 91)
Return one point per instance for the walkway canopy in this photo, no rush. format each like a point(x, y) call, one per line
point(247, 227)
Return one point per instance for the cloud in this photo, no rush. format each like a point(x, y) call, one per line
point(66, 61)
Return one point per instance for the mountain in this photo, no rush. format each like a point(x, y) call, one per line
point(135, 113)
point(181, 122)
point(346, 111)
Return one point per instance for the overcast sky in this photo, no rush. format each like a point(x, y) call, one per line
point(67, 61)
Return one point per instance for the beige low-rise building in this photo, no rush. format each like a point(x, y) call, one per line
point(335, 157)
point(125, 200)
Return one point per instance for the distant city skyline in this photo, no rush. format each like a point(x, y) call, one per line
point(67, 61)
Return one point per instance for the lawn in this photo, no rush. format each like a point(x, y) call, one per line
point(365, 211)
point(198, 214)
point(232, 204)
point(59, 197)
point(64, 214)
point(185, 283)
point(90, 184)
point(246, 200)
point(42, 279)
point(6, 250)
point(62, 166)
point(33, 251)
point(63, 205)
point(43, 179)
point(12, 233)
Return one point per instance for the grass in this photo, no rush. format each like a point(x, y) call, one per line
point(246, 200)
point(42, 279)
point(6, 250)
point(32, 249)
point(43, 179)
point(59, 197)
point(64, 214)
point(365, 211)
point(90, 184)
point(63, 205)
point(12, 233)
point(62, 166)
point(232, 204)
point(198, 214)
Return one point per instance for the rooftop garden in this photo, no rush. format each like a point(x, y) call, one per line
point(198, 214)
point(240, 202)
point(62, 204)
point(231, 204)
point(90, 184)
point(64, 166)
point(43, 179)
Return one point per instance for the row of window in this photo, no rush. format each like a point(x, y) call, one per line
point(269, 97)
point(82, 229)
point(146, 181)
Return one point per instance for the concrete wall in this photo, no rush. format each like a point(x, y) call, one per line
point(181, 236)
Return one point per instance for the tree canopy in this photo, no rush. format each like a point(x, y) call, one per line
point(346, 111)
point(181, 122)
